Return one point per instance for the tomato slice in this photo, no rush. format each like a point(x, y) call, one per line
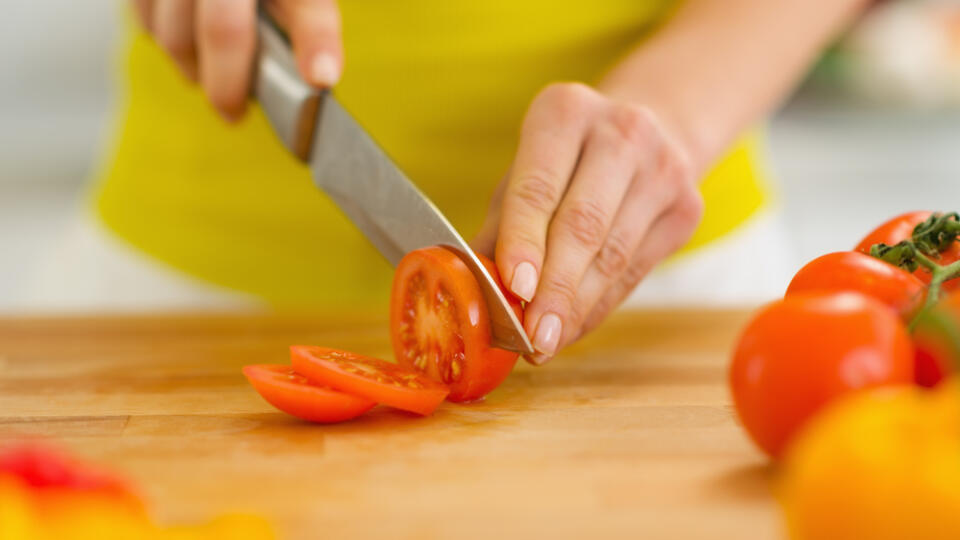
point(370, 378)
point(294, 394)
point(440, 326)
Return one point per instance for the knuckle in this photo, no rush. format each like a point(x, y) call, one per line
point(569, 99)
point(520, 244)
point(538, 193)
point(562, 290)
point(635, 273)
point(682, 166)
point(690, 206)
point(614, 257)
point(586, 222)
point(632, 124)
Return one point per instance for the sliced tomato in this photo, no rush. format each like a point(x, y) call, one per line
point(294, 394)
point(370, 378)
point(901, 228)
point(440, 325)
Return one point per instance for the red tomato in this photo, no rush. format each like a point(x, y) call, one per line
point(293, 394)
point(371, 378)
point(440, 326)
point(936, 340)
point(801, 352)
point(44, 469)
point(854, 271)
point(901, 228)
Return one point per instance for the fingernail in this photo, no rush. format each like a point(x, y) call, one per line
point(537, 359)
point(324, 70)
point(547, 337)
point(524, 283)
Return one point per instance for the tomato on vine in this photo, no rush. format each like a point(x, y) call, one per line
point(800, 353)
point(854, 271)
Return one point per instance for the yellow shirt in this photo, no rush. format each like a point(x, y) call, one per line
point(441, 84)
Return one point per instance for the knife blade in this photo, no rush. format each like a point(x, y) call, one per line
point(348, 165)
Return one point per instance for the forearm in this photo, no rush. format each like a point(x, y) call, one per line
point(719, 65)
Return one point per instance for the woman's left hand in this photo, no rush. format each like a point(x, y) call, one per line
point(598, 193)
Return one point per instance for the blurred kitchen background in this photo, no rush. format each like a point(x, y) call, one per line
point(874, 131)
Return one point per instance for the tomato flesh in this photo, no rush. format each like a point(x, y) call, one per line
point(901, 228)
point(800, 353)
point(854, 271)
point(370, 378)
point(294, 394)
point(430, 332)
point(440, 325)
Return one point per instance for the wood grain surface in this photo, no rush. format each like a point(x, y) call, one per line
point(629, 434)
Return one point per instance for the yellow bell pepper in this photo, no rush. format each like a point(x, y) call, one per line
point(879, 465)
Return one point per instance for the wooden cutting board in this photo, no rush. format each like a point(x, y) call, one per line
point(629, 434)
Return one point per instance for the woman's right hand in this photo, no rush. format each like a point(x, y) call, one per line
point(213, 42)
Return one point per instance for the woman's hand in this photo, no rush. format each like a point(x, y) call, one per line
point(598, 193)
point(213, 42)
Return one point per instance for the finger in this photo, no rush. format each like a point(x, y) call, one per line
point(552, 135)
point(226, 39)
point(651, 195)
point(173, 28)
point(486, 240)
point(314, 28)
point(668, 234)
point(143, 9)
point(577, 233)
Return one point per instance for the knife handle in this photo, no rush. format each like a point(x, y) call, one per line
point(290, 104)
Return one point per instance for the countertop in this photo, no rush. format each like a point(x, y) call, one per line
point(629, 434)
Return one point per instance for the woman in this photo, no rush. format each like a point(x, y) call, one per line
point(599, 180)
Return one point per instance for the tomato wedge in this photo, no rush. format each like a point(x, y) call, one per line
point(293, 394)
point(440, 326)
point(370, 378)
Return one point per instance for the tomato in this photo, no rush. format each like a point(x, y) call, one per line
point(854, 271)
point(883, 464)
point(901, 228)
point(371, 378)
point(440, 326)
point(42, 468)
point(936, 339)
point(293, 394)
point(801, 352)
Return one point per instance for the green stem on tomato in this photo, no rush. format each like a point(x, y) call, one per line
point(937, 233)
point(940, 274)
point(929, 238)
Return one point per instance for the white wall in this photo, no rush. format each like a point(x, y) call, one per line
point(55, 58)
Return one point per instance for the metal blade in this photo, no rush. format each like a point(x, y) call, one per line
point(396, 216)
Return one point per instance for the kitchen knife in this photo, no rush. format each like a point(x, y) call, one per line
point(352, 170)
